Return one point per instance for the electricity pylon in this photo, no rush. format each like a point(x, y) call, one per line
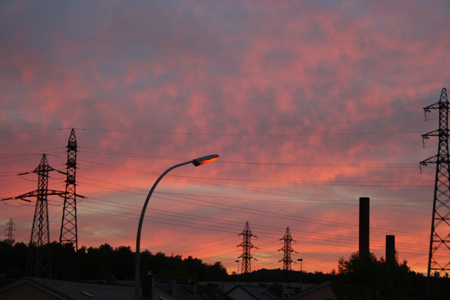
point(38, 261)
point(69, 231)
point(246, 247)
point(439, 251)
point(10, 237)
point(287, 250)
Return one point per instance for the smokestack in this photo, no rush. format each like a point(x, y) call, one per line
point(390, 247)
point(364, 214)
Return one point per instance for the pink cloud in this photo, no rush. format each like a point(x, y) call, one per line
point(166, 83)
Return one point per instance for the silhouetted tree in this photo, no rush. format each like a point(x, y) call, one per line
point(64, 261)
point(124, 265)
point(371, 279)
point(13, 257)
point(216, 272)
point(100, 263)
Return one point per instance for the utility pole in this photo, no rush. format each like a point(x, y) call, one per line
point(38, 261)
point(69, 231)
point(439, 251)
point(10, 237)
point(287, 250)
point(246, 247)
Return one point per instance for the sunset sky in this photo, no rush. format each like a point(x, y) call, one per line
point(309, 104)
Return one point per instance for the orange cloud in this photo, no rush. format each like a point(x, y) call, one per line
point(307, 104)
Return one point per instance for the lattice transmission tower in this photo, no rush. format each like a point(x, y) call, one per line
point(246, 247)
point(38, 261)
point(439, 251)
point(69, 231)
point(10, 237)
point(287, 250)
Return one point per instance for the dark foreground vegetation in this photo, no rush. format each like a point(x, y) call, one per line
point(102, 262)
point(377, 279)
point(369, 278)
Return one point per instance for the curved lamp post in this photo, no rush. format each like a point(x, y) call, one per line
point(196, 162)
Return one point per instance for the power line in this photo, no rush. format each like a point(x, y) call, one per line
point(331, 165)
point(251, 134)
point(215, 133)
point(184, 223)
point(128, 188)
point(161, 195)
point(213, 223)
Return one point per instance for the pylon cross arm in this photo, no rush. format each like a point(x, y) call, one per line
point(428, 108)
point(430, 160)
point(436, 132)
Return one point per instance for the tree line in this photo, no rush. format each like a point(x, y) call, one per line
point(102, 262)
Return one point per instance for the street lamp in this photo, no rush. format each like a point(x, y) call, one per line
point(301, 272)
point(237, 274)
point(196, 162)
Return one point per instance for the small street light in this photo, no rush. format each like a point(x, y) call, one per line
point(196, 162)
point(301, 271)
point(237, 274)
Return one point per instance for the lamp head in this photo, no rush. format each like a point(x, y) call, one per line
point(205, 159)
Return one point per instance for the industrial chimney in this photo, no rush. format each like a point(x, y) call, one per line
point(364, 213)
point(390, 248)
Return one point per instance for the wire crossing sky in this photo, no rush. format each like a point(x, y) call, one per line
point(310, 105)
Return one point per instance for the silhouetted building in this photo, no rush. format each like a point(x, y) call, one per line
point(320, 291)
